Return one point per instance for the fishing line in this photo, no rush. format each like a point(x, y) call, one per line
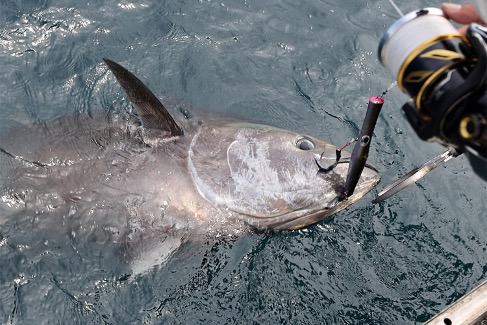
point(392, 85)
point(396, 7)
point(400, 14)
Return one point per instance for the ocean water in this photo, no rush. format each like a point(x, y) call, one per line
point(307, 66)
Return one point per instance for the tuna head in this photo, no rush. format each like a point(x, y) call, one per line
point(269, 177)
point(265, 176)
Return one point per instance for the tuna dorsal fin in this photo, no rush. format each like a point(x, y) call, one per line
point(151, 111)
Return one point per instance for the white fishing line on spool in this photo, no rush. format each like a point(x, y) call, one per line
point(409, 33)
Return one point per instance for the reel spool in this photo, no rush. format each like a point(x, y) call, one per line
point(420, 48)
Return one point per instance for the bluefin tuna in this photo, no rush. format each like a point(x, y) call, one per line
point(135, 176)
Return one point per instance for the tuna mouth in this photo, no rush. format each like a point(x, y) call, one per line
point(313, 214)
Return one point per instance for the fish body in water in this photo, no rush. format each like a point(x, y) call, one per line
point(134, 177)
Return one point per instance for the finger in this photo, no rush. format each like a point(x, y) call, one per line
point(463, 14)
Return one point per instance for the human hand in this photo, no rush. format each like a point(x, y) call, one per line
point(463, 14)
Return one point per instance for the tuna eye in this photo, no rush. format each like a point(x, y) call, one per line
point(305, 144)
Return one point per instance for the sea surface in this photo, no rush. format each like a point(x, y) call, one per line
point(308, 66)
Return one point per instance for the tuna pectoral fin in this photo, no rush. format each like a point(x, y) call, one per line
point(151, 111)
